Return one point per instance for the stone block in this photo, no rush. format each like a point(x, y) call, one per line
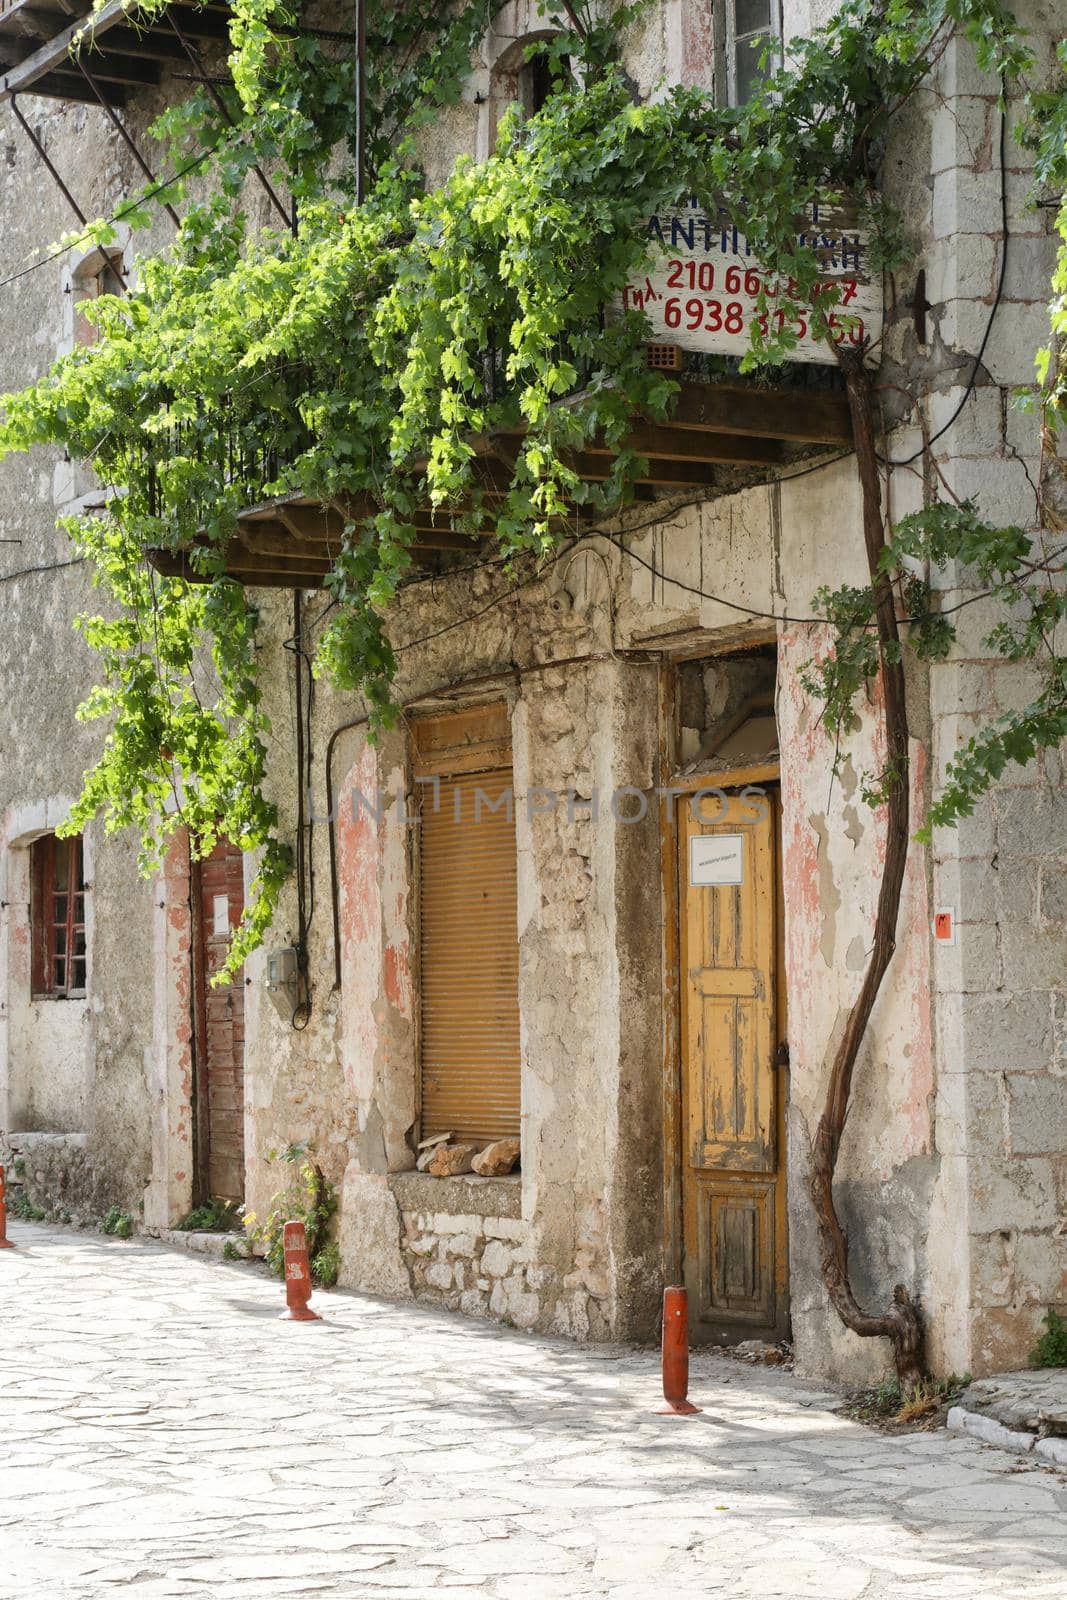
point(1003, 1336)
point(966, 271)
point(439, 1275)
point(1019, 1194)
point(1017, 893)
point(1018, 331)
point(523, 1307)
point(1015, 685)
point(998, 483)
point(1034, 958)
point(960, 130)
point(1031, 821)
point(993, 1268)
point(988, 1431)
point(504, 1228)
point(496, 1259)
point(1037, 1114)
point(372, 1256)
point(964, 202)
point(998, 1033)
point(969, 1114)
point(975, 623)
point(1041, 1267)
point(497, 1159)
point(472, 1303)
point(961, 686)
point(449, 1160)
point(1053, 1451)
point(463, 1199)
point(461, 1244)
point(1054, 896)
point(444, 1223)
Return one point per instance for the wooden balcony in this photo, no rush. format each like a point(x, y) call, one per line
point(721, 437)
point(122, 53)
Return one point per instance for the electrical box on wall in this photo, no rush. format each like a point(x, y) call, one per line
point(283, 981)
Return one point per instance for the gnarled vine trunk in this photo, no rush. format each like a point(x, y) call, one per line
point(901, 1323)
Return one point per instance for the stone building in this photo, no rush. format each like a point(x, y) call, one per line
point(597, 890)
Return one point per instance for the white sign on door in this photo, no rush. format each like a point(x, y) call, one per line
point(717, 860)
point(222, 916)
point(700, 289)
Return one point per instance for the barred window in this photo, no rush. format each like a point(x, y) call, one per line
point(57, 918)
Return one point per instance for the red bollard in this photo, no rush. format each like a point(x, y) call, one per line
point(5, 1242)
point(297, 1275)
point(676, 1354)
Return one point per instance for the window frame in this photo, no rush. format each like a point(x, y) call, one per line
point(729, 40)
point(100, 272)
point(45, 925)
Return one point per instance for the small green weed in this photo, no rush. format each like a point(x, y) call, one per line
point(1051, 1349)
point(311, 1199)
point(214, 1216)
point(24, 1208)
point(117, 1222)
point(231, 1251)
point(887, 1405)
point(20, 1167)
point(326, 1265)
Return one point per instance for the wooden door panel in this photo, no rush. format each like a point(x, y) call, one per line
point(736, 1243)
point(220, 1076)
point(732, 1182)
point(731, 1109)
point(730, 968)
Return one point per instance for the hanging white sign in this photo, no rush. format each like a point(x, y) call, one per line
point(701, 286)
point(716, 860)
point(221, 916)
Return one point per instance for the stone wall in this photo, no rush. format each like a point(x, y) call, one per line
point(466, 1246)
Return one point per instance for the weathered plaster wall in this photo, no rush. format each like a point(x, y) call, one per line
point(589, 940)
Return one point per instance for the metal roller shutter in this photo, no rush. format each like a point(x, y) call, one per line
point(468, 929)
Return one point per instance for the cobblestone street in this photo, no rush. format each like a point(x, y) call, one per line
point(165, 1435)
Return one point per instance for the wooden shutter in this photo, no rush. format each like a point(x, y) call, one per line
point(468, 927)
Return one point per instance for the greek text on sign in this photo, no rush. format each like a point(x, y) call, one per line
point(716, 860)
point(700, 291)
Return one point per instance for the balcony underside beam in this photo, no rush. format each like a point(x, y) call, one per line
point(119, 52)
point(715, 428)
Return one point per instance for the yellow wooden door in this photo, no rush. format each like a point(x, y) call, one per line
point(732, 1078)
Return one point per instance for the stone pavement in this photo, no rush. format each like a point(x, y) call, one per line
point(165, 1435)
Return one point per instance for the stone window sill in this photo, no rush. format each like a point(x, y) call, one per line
point(466, 1195)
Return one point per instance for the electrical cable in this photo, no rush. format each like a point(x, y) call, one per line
point(54, 566)
point(124, 211)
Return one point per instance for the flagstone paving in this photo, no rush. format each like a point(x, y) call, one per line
point(164, 1435)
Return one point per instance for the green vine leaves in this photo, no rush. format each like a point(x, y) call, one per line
point(361, 355)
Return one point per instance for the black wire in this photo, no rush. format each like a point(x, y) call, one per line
point(692, 588)
point(969, 390)
point(118, 216)
point(54, 566)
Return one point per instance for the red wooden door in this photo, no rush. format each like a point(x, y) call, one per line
point(218, 899)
